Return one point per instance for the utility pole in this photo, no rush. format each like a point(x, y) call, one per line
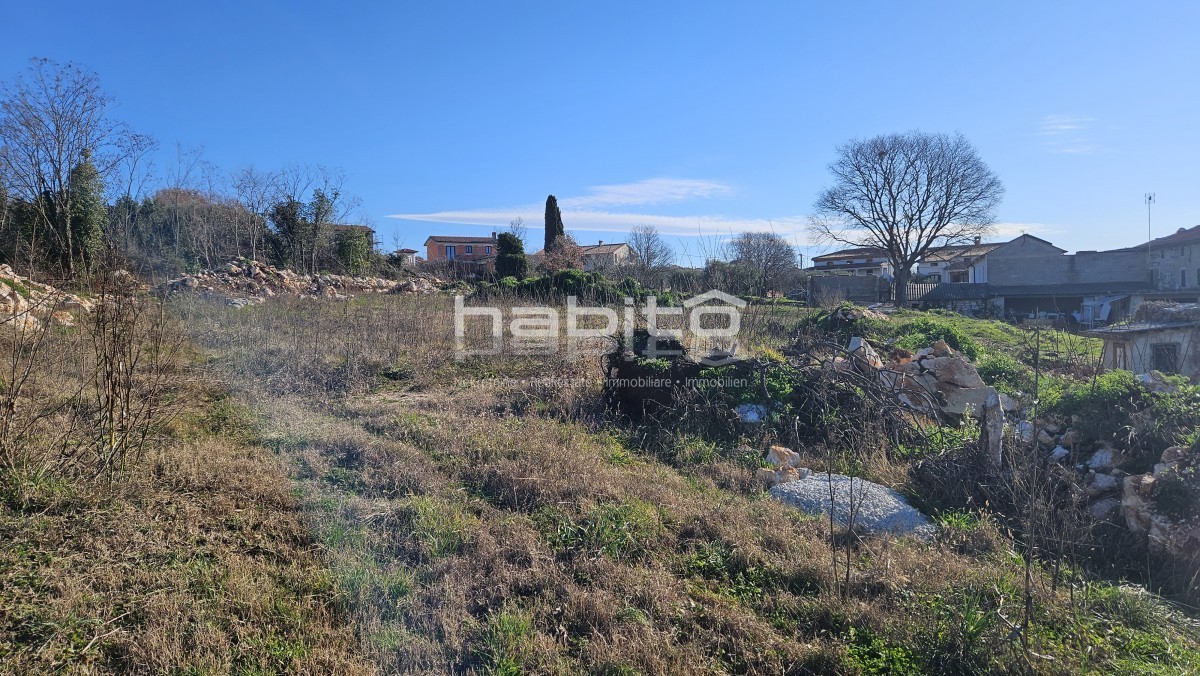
point(1149, 237)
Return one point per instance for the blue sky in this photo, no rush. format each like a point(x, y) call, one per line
point(704, 119)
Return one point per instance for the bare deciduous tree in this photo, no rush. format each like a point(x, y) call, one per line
point(650, 254)
point(906, 193)
point(50, 120)
point(517, 227)
point(770, 258)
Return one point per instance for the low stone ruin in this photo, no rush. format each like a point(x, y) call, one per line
point(245, 282)
point(1175, 534)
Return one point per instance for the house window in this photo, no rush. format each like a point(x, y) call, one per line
point(1182, 278)
point(451, 254)
point(1165, 357)
point(487, 250)
point(470, 249)
point(1120, 358)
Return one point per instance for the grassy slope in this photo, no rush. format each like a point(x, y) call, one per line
point(194, 561)
point(474, 525)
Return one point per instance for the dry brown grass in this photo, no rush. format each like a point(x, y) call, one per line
point(477, 525)
point(187, 556)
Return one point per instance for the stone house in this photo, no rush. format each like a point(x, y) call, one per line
point(952, 263)
point(407, 257)
point(861, 261)
point(1030, 278)
point(1174, 264)
point(1161, 337)
point(605, 256)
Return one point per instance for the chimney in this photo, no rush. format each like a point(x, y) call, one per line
point(493, 234)
point(601, 243)
point(978, 239)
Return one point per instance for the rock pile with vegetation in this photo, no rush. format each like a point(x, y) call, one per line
point(244, 281)
point(25, 304)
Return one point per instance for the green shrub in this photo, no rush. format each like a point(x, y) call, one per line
point(923, 332)
point(1005, 373)
point(840, 330)
point(1103, 404)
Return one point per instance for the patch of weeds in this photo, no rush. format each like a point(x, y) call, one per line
point(342, 536)
point(1125, 606)
point(418, 430)
point(505, 637)
point(874, 655)
point(368, 585)
point(622, 530)
point(719, 562)
point(691, 450)
point(958, 520)
point(633, 615)
point(925, 331)
point(1005, 373)
point(283, 653)
point(397, 372)
point(616, 453)
point(441, 528)
point(226, 417)
point(38, 491)
point(345, 479)
point(1176, 494)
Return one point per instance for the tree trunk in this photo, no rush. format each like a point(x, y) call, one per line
point(901, 282)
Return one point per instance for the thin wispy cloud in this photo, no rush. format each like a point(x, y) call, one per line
point(1068, 134)
point(647, 192)
point(1002, 232)
point(601, 211)
point(1057, 125)
point(592, 220)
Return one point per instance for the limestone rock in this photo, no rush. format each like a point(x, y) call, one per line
point(62, 318)
point(783, 475)
point(1135, 502)
point(864, 354)
point(1105, 458)
point(1102, 484)
point(779, 456)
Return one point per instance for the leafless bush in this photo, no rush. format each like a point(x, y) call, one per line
point(86, 400)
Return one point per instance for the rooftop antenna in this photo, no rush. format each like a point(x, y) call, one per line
point(1149, 237)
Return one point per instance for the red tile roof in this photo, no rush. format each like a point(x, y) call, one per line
point(459, 240)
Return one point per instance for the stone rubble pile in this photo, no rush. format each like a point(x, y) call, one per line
point(876, 508)
point(935, 377)
point(26, 304)
point(1175, 534)
point(245, 282)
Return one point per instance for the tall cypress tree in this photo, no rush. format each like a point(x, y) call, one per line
point(88, 213)
point(554, 221)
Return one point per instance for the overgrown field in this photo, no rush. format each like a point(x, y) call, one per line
point(142, 527)
point(488, 515)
